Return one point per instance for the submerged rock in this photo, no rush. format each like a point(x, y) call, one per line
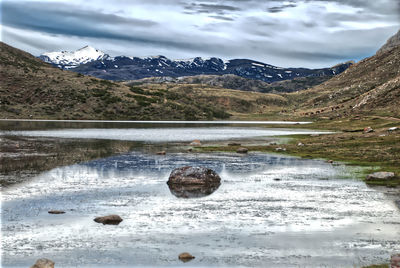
point(185, 257)
point(380, 176)
point(43, 263)
point(56, 212)
point(193, 176)
point(110, 219)
point(242, 150)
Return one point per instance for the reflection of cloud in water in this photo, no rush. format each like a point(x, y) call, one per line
point(250, 220)
point(183, 134)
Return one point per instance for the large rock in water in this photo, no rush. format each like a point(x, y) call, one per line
point(380, 176)
point(194, 176)
point(43, 263)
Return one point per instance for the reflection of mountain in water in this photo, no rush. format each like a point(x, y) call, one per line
point(225, 164)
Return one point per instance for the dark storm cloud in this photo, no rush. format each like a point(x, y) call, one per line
point(307, 33)
point(65, 19)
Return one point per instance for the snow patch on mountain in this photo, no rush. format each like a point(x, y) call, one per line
point(72, 59)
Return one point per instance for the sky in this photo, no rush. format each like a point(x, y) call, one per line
point(296, 33)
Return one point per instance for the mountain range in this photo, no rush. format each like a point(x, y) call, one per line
point(93, 62)
point(31, 88)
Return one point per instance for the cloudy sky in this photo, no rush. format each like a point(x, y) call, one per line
point(307, 33)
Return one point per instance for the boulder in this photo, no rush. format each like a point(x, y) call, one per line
point(43, 263)
point(330, 161)
point(300, 144)
point(185, 257)
point(110, 219)
point(56, 212)
point(195, 143)
point(242, 150)
point(380, 176)
point(368, 130)
point(162, 153)
point(194, 176)
point(279, 149)
point(393, 129)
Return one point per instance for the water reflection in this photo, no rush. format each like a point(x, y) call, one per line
point(192, 191)
point(250, 220)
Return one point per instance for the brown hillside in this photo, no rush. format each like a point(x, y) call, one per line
point(371, 86)
point(30, 88)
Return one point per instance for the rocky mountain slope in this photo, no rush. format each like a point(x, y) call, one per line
point(31, 88)
point(393, 42)
point(372, 86)
point(132, 68)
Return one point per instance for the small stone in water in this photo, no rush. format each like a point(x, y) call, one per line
point(185, 257)
point(111, 219)
point(56, 212)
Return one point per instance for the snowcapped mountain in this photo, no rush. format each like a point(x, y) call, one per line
point(90, 61)
point(68, 60)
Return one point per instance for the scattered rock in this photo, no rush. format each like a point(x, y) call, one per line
point(194, 176)
point(300, 144)
point(242, 150)
point(186, 257)
point(43, 263)
point(56, 212)
point(279, 149)
point(393, 129)
point(111, 220)
point(272, 143)
point(314, 135)
point(368, 130)
point(380, 176)
point(395, 261)
point(234, 144)
point(382, 135)
point(195, 143)
point(162, 153)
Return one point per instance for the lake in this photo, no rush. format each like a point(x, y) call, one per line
point(269, 211)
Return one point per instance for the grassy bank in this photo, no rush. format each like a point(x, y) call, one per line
point(377, 151)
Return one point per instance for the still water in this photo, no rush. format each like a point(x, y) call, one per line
point(269, 211)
